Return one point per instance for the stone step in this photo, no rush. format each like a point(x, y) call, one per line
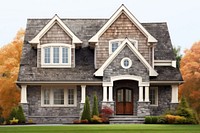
point(126, 120)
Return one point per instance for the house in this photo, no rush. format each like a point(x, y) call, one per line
point(129, 65)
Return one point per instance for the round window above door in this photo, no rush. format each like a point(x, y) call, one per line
point(126, 63)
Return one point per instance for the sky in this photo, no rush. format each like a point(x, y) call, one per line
point(182, 16)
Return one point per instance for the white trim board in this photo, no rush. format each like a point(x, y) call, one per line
point(123, 9)
point(126, 42)
point(55, 19)
point(165, 63)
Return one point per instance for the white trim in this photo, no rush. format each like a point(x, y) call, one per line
point(129, 65)
point(60, 64)
point(126, 42)
point(141, 89)
point(83, 90)
point(110, 98)
point(166, 82)
point(51, 88)
point(24, 94)
point(174, 94)
point(60, 82)
point(54, 20)
point(146, 94)
point(105, 98)
point(124, 10)
point(156, 96)
point(165, 63)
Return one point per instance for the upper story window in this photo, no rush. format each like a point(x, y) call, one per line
point(56, 55)
point(114, 44)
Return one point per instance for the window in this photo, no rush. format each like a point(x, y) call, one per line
point(58, 96)
point(47, 55)
point(114, 44)
point(153, 95)
point(56, 55)
point(126, 63)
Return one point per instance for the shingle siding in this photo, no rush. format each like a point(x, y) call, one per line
point(121, 28)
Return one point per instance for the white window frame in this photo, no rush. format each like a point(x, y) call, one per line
point(156, 96)
point(134, 42)
point(51, 99)
point(122, 62)
point(55, 65)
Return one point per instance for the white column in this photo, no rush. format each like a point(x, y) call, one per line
point(174, 94)
point(110, 94)
point(24, 94)
point(146, 93)
point(140, 93)
point(83, 93)
point(105, 94)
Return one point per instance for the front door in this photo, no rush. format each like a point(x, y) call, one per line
point(124, 103)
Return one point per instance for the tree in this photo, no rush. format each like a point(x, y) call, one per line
point(9, 68)
point(190, 69)
point(86, 115)
point(95, 107)
point(178, 55)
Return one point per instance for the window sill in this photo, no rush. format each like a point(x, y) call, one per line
point(153, 105)
point(56, 66)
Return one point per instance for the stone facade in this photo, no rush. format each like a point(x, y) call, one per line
point(121, 28)
point(115, 68)
point(164, 101)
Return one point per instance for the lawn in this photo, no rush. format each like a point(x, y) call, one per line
point(102, 129)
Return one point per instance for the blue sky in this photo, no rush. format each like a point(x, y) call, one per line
point(182, 16)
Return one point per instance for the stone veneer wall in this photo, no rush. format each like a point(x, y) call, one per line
point(50, 114)
point(164, 101)
point(115, 68)
point(121, 28)
point(38, 114)
point(55, 35)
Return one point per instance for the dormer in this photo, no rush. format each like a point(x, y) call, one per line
point(55, 45)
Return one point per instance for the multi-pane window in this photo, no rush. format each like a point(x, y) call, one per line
point(70, 96)
point(58, 96)
point(114, 46)
point(64, 55)
point(46, 96)
point(153, 95)
point(47, 55)
point(55, 54)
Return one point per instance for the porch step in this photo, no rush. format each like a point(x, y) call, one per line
point(126, 120)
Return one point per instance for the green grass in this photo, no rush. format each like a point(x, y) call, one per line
point(102, 129)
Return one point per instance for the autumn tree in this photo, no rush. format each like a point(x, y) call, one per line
point(9, 67)
point(190, 69)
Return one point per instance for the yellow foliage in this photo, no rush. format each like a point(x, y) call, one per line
point(9, 68)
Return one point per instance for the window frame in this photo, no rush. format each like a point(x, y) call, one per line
point(156, 95)
point(51, 98)
point(134, 42)
point(129, 65)
point(52, 64)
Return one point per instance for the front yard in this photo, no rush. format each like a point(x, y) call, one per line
point(142, 128)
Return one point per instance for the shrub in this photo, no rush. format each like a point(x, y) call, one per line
point(20, 115)
point(14, 121)
point(13, 114)
point(96, 119)
point(106, 111)
point(84, 121)
point(95, 107)
point(86, 115)
point(172, 119)
point(148, 120)
point(77, 121)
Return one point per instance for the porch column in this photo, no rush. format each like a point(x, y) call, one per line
point(110, 94)
point(146, 94)
point(24, 94)
point(105, 94)
point(140, 93)
point(174, 94)
point(83, 93)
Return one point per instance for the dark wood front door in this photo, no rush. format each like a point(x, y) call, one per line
point(124, 103)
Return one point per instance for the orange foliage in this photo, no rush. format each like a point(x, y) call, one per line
point(9, 68)
point(190, 69)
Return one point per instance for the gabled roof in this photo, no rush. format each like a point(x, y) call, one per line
point(51, 23)
point(126, 42)
point(121, 10)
